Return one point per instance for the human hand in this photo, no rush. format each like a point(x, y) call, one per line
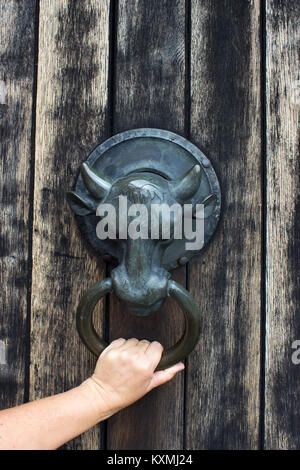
point(125, 371)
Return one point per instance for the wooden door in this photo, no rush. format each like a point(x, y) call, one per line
point(224, 74)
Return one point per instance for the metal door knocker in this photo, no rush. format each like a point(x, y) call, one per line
point(148, 170)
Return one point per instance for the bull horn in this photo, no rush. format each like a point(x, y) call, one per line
point(186, 186)
point(97, 184)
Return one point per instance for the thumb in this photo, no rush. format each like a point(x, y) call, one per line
point(162, 376)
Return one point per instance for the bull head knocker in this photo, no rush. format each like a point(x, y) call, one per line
point(135, 170)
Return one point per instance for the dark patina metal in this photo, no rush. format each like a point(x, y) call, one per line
point(148, 166)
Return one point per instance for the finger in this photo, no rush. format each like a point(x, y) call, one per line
point(162, 376)
point(115, 344)
point(144, 345)
point(129, 343)
point(154, 352)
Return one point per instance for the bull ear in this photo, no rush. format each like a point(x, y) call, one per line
point(79, 204)
point(97, 184)
point(186, 186)
point(209, 207)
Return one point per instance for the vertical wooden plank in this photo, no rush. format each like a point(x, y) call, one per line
point(150, 92)
point(282, 397)
point(17, 40)
point(224, 370)
point(72, 117)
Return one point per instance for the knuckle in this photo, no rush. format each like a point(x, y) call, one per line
point(123, 356)
point(144, 367)
point(132, 358)
point(126, 357)
point(157, 345)
point(117, 340)
point(112, 354)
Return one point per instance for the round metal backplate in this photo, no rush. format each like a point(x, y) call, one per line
point(157, 151)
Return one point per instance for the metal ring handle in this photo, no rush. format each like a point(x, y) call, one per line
point(176, 353)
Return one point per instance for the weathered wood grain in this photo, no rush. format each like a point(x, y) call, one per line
point(72, 117)
point(282, 392)
point(224, 371)
point(150, 92)
point(150, 71)
point(17, 41)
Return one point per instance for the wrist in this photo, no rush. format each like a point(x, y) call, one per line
point(92, 392)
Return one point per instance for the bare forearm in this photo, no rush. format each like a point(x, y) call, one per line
point(50, 422)
point(125, 371)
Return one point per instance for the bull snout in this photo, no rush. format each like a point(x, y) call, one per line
point(143, 293)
